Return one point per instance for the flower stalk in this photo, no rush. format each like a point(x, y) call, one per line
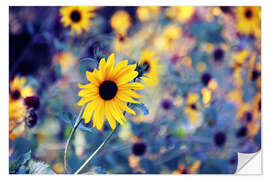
point(96, 151)
point(78, 121)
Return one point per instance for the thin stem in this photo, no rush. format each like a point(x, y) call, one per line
point(96, 151)
point(78, 121)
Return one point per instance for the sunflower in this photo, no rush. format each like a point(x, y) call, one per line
point(170, 34)
point(193, 168)
point(16, 114)
point(152, 67)
point(248, 20)
point(19, 90)
point(145, 13)
point(180, 13)
point(78, 17)
point(192, 109)
point(121, 22)
point(107, 92)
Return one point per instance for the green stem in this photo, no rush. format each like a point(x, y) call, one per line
point(96, 151)
point(78, 121)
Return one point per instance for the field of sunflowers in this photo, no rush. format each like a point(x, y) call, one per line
point(133, 90)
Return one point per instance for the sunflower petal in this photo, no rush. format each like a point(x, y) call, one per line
point(126, 98)
point(109, 116)
point(134, 85)
point(125, 107)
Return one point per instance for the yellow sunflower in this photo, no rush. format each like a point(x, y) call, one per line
point(145, 13)
point(121, 22)
point(107, 92)
point(151, 63)
point(180, 13)
point(19, 90)
point(248, 20)
point(78, 17)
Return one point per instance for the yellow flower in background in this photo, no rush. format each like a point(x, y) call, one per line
point(16, 114)
point(152, 71)
point(108, 91)
point(122, 44)
point(66, 60)
point(191, 109)
point(16, 110)
point(18, 89)
point(248, 20)
point(120, 22)
point(180, 13)
point(193, 168)
point(168, 37)
point(145, 13)
point(77, 17)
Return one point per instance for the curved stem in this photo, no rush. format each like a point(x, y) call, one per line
point(96, 151)
point(78, 121)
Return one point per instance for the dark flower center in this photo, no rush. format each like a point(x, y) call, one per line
point(259, 105)
point(166, 104)
point(225, 9)
point(146, 66)
point(220, 138)
point(108, 90)
point(242, 132)
point(218, 54)
point(15, 94)
point(185, 171)
point(248, 13)
point(121, 38)
point(249, 116)
point(205, 78)
point(193, 106)
point(255, 74)
point(139, 148)
point(75, 16)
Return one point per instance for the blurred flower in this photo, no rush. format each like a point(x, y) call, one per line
point(58, 168)
point(120, 22)
point(253, 128)
point(241, 132)
point(139, 148)
point(218, 55)
point(206, 96)
point(77, 17)
point(107, 92)
point(166, 104)
point(182, 169)
point(146, 13)
point(205, 78)
point(16, 115)
point(32, 102)
point(18, 89)
point(168, 37)
point(122, 43)
point(17, 110)
point(180, 13)
point(152, 67)
point(220, 138)
point(248, 20)
point(191, 109)
point(66, 60)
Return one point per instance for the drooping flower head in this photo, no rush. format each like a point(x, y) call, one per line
point(77, 17)
point(108, 91)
